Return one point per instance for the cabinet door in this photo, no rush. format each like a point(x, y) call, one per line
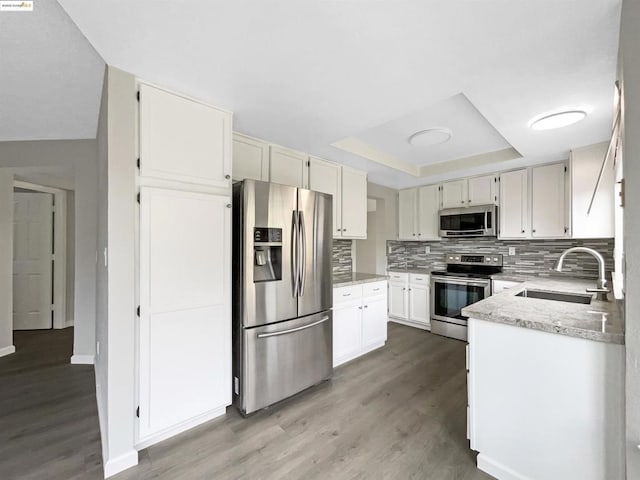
point(374, 321)
point(398, 300)
point(407, 202)
point(183, 140)
point(419, 304)
point(514, 204)
point(287, 167)
point(250, 158)
point(454, 194)
point(347, 332)
point(548, 206)
point(428, 207)
point(354, 203)
point(326, 177)
point(185, 307)
point(483, 190)
point(585, 167)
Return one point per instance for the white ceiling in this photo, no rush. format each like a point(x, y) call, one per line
point(307, 73)
point(472, 133)
point(50, 76)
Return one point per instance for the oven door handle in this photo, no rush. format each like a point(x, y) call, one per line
point(461, 282)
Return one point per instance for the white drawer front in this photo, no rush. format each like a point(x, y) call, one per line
point(419, 278)
point(398, 277)
point(347, 294)
point(501, 285)
point(374, 288)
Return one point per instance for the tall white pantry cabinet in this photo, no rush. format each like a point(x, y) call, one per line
point(184, 325)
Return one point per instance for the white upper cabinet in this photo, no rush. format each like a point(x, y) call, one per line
point(250, 158)
point(288, 167)
point(407, 206)
point(483, 190)
point(418, 213)
point(326, 177)
point(514, 204)
point(585, 167)
point(354, 203)
point(428, 208)
point(548, 201)
point(183, 140)
point(454, 194)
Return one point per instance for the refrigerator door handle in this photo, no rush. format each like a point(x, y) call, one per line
point(295, 277)
point(303, 259)
point(291, 330)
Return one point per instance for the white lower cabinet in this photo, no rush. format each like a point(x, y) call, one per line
point(359, 320)
point(498, 286)
point(543, 405)
point(409, 298)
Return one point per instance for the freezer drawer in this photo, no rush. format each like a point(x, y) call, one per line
point(285, 358)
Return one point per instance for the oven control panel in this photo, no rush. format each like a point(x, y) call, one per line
point(473, 259)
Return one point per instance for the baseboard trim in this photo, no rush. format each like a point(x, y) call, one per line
point(409, 323)
point(497, 470)
point(181, 427)
point(101, 423)
point(82, 359)
point(120, 463)
point(7, 350)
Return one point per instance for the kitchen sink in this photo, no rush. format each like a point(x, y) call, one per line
point(557, 296)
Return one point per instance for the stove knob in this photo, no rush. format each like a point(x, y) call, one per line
point(495, 259)
point(487, 259)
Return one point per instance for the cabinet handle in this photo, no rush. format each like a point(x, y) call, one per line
point(462, 201)
point(344, 229)
point(376, 289)
point(418, 278)
point(227, 177)
point(228, 205)
point(414, 234)
point(419, 234)
point(469, 201)
point(366, 306)
point(534, 230)
point(522, 231)
point(360, 308)
point(346, 294)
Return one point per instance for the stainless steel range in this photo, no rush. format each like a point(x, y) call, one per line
point(466, 281)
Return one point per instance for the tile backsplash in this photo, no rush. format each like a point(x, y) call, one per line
point(342, 259)
point(532, 257)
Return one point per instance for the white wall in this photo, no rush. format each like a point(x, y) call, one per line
point(116, 297)
point(81, 155)
point(6, 263)
point(630, 66)
point(385, 228)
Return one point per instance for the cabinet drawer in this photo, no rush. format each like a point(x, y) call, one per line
point(398, 277)
point(419, 279)
point(374, 288)
point(347, 294)
point(502, 285)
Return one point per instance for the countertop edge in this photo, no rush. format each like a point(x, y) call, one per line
point(358, 281)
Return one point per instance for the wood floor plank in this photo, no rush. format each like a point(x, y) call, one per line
point(396, 413)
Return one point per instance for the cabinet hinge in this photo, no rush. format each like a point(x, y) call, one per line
point(565, 169)
point(308, 163)
point(138, 197)
point(138, 311)
point(138, 163)
point(138, 95)
point(138, 412)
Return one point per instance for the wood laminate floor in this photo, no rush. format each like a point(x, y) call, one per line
point(397, 413)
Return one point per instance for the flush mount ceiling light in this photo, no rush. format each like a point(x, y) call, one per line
point(558, 120)
point(430, 136)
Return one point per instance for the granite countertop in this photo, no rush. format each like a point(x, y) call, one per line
point(599, 321)
point(425, 270)
point(354, 278)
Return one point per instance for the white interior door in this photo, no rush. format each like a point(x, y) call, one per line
point(32, 253)
point(185, 314)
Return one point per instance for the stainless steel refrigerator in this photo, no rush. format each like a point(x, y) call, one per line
point(282, 292)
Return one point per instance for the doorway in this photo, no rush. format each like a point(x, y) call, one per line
point(39, 257)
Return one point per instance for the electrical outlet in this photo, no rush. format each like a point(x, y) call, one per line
point(427, 249)
point(389, 248)
point(512, 250)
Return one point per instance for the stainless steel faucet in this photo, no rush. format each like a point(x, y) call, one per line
point(602, 288)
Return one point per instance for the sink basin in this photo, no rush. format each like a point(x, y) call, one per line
point(557, 296)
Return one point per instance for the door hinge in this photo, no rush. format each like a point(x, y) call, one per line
point(138, 311)
point(138, 412)
point(138, 197)
point(308, 163)
point(138, 95)
point(138, 163)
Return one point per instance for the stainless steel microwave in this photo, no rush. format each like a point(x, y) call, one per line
point(479, 221)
